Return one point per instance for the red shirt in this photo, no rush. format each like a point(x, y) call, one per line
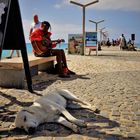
point(37, 36)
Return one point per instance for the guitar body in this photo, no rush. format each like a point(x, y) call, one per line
point(40, 47)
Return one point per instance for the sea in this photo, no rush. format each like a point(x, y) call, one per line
point(6, 53)
point(137, 46)
point(63, 46)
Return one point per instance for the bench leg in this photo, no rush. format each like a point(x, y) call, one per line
point(90, 51)
point(15, 78)
point(46, 66)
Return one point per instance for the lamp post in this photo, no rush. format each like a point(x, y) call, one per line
point(101, 33)
point(96, 25)
point(84, 7)
point(105, 34)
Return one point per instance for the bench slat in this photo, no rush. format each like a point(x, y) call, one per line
point(17, 63)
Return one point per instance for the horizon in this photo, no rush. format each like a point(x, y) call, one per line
point(66, 18)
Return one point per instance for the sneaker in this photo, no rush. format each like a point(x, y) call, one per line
point(71, 72)
point(9, 57)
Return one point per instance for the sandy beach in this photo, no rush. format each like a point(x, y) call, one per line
point(109, 81)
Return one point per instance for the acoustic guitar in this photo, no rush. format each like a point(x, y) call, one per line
point(40, 46)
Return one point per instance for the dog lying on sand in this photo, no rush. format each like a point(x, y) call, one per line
point(51, 108)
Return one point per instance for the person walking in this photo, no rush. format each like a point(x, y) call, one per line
point(122, 44)
point(36, 24)
point(12, 53)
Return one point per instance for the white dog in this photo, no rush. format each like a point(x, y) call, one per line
point(51, 108)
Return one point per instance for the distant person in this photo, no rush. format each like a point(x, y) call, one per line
point(12, 53)
point(42, 47)
point(108, 43)
point(36, 24)
point(129, 42)
point(122, 43)
point(131, 46)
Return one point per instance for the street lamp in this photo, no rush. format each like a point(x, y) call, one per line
point(101, 33)
point(105, 34)
point(96, 23)
point(84, 7)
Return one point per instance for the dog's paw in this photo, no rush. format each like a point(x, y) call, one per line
point(79, 130)
point(81, 123)
point(84, 124)
point(75, 128)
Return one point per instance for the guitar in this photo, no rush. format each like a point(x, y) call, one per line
point(38, 46)
point(46, 42)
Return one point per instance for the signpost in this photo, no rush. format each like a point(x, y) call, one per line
point(91, 40)
point(12, 35)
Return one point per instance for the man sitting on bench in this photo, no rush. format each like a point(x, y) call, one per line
point(42, 47)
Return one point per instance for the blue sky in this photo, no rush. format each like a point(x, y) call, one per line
point(121, 16)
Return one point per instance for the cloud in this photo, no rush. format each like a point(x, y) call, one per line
point(57, 6)
point(123, 5)
point(59, 30)
point(26, 28)
point(62, 30)
point(61, 4)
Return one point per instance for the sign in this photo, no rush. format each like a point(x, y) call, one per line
point(91, 39)
point(75, 43)
point(11, 33)
point(133, 37)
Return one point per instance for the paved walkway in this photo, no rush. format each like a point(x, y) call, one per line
point(110, 82)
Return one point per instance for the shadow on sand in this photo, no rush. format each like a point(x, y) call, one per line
point(41, 85)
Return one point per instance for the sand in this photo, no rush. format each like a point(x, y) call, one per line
point(109, 81)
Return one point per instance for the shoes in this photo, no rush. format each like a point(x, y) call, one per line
point(71, 72)
point(64, 75)
point(9, 57)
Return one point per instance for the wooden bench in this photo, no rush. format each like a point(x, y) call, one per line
point(12, 73)
point(94, 49)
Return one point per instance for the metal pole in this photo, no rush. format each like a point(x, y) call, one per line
point(101, 34)
point(83, 48)
point(97, 41)
point(96, 24)
point(104, 35)
point(83, 6)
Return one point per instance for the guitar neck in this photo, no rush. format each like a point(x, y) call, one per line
point(58, 40)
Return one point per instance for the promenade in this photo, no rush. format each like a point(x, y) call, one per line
point(110, 81)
